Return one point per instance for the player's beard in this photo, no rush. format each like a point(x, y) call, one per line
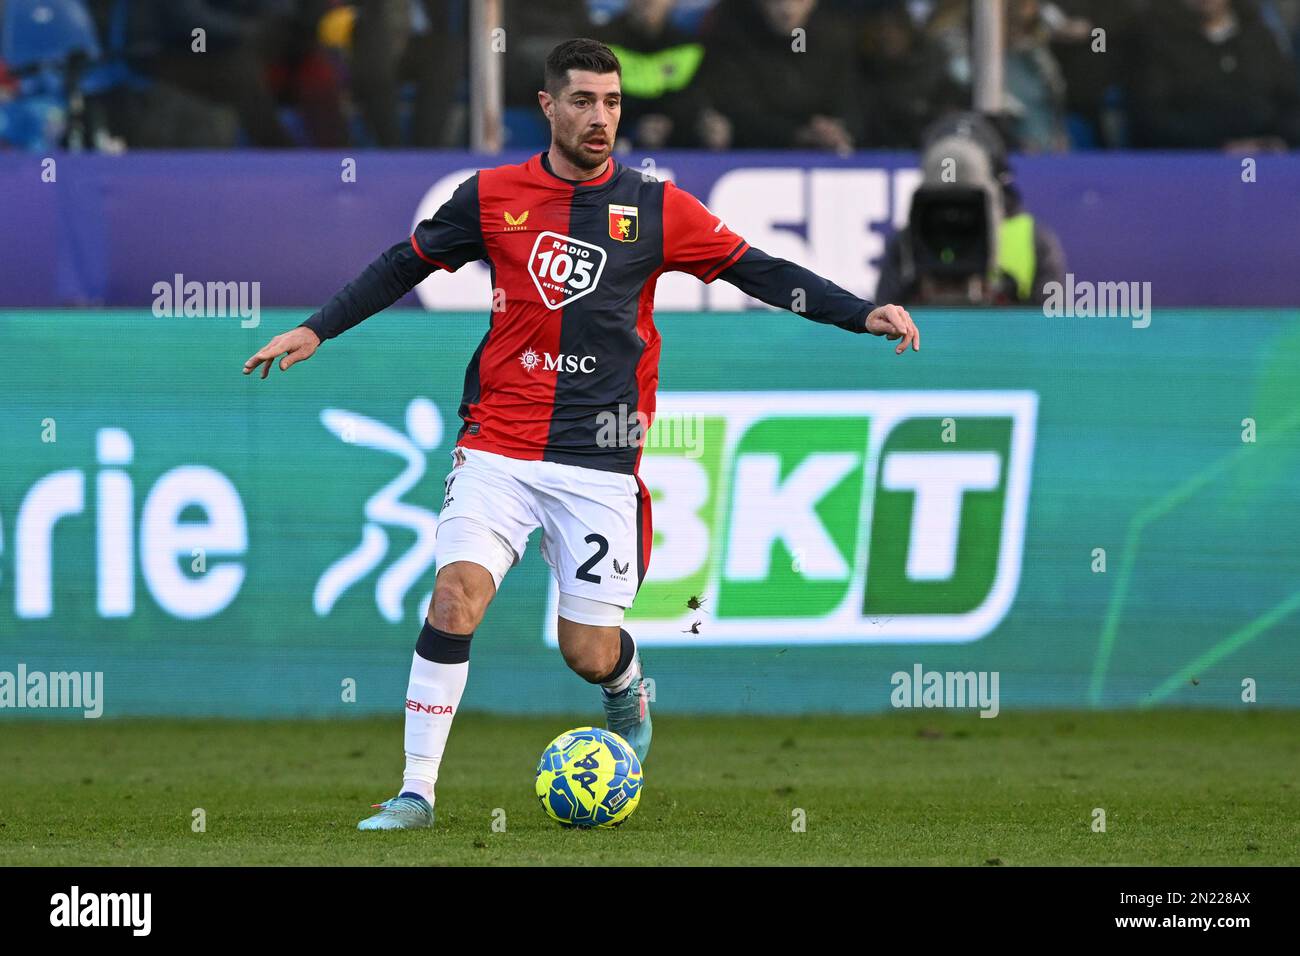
point(580, 157)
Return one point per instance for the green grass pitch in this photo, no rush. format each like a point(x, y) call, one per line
point(1177, 787)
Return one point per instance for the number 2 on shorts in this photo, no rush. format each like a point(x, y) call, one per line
point(602, 549)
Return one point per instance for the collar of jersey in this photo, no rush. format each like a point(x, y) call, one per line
point(542, 168)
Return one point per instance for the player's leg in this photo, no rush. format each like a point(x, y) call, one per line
point(483, 527)
point(439, 672)
point(596, 535)
point(440, 669)
point(607, 655)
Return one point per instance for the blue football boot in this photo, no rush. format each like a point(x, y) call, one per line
point(627, 714)
point(408, 811)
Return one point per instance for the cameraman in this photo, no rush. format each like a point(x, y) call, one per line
point(969, 240)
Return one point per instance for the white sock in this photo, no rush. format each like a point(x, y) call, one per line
point(432, 698)
point(624, 680)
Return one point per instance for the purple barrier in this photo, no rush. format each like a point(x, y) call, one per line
point(106, 229)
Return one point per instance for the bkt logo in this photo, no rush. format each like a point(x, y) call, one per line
point(556, 363)
point(824, 517)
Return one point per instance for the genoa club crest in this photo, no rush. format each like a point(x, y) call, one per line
point(622, 223)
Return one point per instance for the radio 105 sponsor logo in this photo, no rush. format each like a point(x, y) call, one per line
point(837, 517)
point(564, 269)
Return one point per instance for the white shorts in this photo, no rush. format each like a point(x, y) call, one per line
point(596, 528)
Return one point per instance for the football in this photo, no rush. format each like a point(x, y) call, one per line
point(588, 778)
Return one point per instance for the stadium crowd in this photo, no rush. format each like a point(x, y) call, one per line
point(832, 75)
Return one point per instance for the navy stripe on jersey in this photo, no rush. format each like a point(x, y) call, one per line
point(591, 408)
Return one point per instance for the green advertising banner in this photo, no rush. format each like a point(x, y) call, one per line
point(1101, 514)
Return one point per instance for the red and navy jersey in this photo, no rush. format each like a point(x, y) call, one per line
point(570, 362)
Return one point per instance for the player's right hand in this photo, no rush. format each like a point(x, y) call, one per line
point(894, 323)
point(299, 343)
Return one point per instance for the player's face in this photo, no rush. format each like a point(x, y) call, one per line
point(584, 117)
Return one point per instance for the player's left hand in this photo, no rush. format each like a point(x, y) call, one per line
point(893, 322)
point(296, 345)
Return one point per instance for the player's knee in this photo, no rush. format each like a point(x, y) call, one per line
point(453, 611)
point(458, 604)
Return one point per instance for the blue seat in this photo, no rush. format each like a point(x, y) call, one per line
point(38, 33)
point(51, 46)
point(33, 123)
point(113, 69)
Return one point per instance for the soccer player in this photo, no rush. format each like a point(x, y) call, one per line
point(575, 242)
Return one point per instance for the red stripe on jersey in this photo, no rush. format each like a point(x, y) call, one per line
point(517, 394)
point(645, 531)
point(695, 240)
point(647, 367)
point(433, 262)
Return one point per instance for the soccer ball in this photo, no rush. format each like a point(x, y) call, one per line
point(589, 777)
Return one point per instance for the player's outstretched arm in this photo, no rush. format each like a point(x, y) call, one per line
point(395, 273)
point(699, 243)
point(786, 285)
point(447, 240)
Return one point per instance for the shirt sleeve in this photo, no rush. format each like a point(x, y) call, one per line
point(453, 235)
point(695, 240)
point(787, 285)
point(396, 272)
point(447, 240)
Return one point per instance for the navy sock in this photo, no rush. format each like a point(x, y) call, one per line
point(626, 651)
point(441, 647)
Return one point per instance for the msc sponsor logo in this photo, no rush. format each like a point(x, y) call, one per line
point(547, 362)
point(823, 517)
point(564, 269)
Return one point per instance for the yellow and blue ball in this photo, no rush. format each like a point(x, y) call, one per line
point(589, 777)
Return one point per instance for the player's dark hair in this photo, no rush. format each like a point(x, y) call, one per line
point(582, 53)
